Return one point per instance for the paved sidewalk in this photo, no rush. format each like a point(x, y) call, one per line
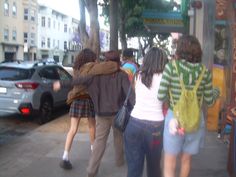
point(38, 155)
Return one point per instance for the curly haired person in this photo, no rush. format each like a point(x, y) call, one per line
point(189, 67)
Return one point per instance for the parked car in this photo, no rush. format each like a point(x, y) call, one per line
point(26, 88)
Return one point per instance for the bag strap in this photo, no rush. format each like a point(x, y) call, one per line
point(127, 96)
point(200, 78)
point(181, 84)
point(180, 80)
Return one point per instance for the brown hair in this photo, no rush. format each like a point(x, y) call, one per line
point(112, 56)
point(189, 49)
point(85, 56)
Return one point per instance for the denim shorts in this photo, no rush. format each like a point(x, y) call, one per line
point(189, 143)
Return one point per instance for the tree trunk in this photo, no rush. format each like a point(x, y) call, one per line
point(94, 40)
point(113, 24)
point(90, 40)
point(123, 38)
point(82, 25)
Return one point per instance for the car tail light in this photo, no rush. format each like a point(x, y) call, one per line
point(25, 111)
point(27, 85)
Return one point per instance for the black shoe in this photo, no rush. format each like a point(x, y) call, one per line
point(65, 164)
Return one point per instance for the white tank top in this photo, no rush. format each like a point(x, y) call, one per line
point(147, 106)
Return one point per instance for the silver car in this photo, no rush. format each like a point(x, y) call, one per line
point(26, 88)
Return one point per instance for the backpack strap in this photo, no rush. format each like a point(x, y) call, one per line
point(180, 80)
point(199, 79)
point(181, 84)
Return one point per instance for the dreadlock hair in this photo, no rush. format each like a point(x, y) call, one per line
point(85, 56)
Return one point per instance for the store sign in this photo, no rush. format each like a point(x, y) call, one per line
point(221, 6)
point(163, 22)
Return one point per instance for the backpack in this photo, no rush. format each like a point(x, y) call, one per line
point(187, 109)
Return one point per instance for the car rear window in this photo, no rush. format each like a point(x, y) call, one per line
point(14, 74)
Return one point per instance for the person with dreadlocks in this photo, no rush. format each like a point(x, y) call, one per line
point(81, 105)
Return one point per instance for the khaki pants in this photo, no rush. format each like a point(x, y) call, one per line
point(103, 126)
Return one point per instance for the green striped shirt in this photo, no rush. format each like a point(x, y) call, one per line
point(189, 72)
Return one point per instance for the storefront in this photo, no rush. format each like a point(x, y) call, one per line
point(224, 75)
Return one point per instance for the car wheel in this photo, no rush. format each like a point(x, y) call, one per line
point(45, 111)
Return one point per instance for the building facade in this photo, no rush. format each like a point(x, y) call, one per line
point(30, 22)
point(31, 31)
point(55, 34)
point(11, 29)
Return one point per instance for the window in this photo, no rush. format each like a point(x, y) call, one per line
point(58, 43)
point(32, 40)
point(49, 73)
point(6, 34)
point(65, 28)
point(65, 45)
point(43, 42)
point(53, 43)
point(14, 9)
point(14, 74)
point(70, 45)
point(49, 22)
point(58, 26)
point(32, 15)
point(6, 8)
point(63, 74)
point(54, 24)
point(43, 22)
point(49, 42)
point(14, 35)
point(26, 14)
point(25, 37)
point(74, 29)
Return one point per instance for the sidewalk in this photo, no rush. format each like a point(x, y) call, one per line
point(38, 155)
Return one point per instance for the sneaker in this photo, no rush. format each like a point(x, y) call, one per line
point(65, 164)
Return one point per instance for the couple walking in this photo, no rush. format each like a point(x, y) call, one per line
point(147, 130)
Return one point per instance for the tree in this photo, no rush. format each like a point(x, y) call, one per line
point(78, 39)
point(89, 39)
point(130, 19)
point(113, 25)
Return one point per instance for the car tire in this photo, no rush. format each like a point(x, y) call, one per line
point(45, 111)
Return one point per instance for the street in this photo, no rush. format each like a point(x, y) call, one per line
point(15, 126)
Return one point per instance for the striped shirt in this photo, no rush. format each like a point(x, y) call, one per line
point(189, 73)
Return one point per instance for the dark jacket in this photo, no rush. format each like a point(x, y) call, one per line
point(108, 92)
point(91, 68)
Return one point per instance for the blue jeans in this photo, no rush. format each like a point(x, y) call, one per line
point(143, 139)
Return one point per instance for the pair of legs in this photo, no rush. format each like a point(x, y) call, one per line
point(103, 126)
point(183, 146)
point(143, 141)
point(170, 164)
point(81, 108)
point(74, 125)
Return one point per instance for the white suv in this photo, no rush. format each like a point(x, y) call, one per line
point(26, 88)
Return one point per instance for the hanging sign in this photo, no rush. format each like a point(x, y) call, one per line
point(221, 6)
point(163, 22)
